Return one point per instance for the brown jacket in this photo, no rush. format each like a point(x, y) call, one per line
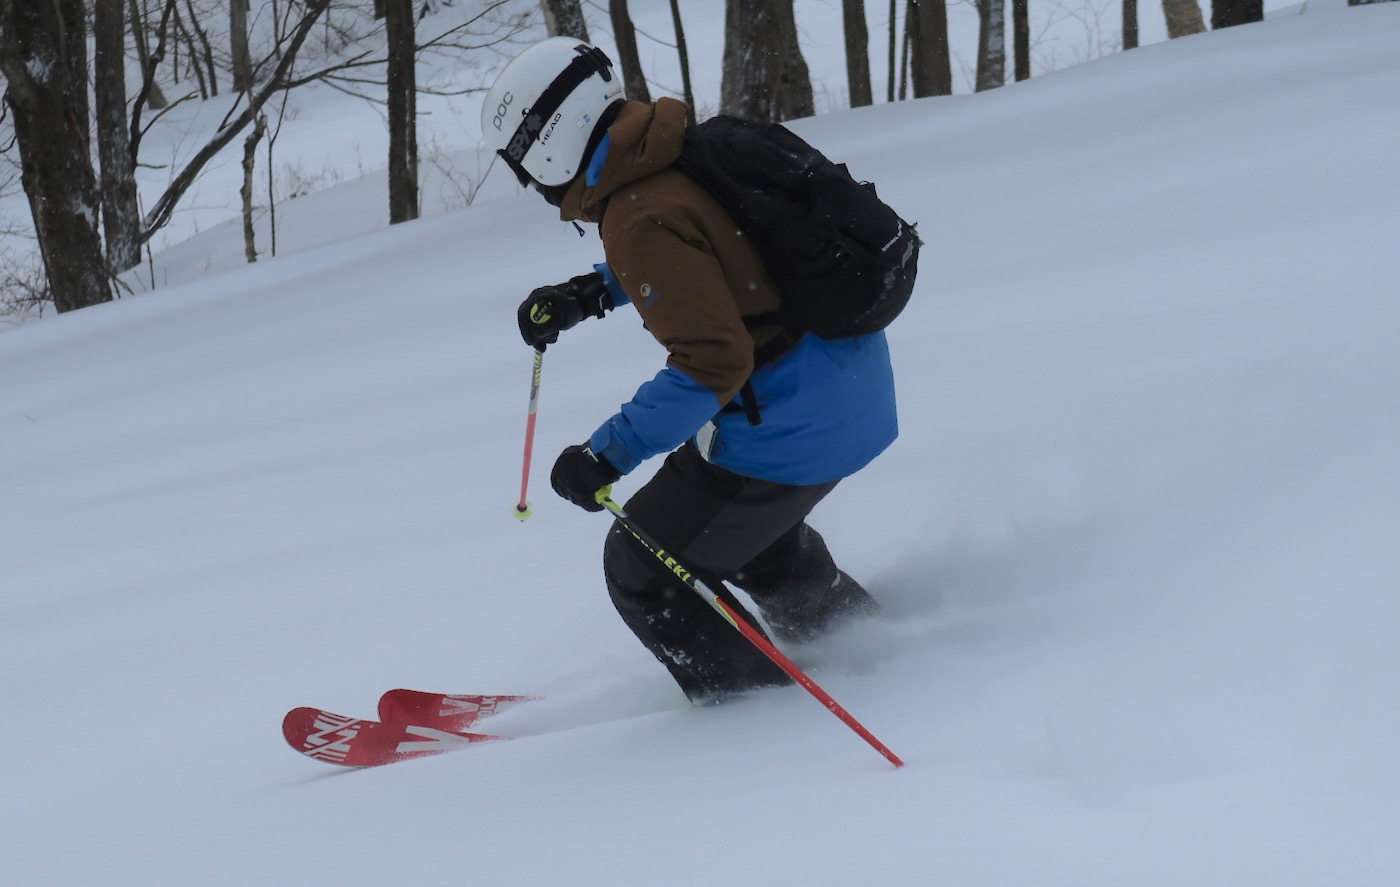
point(684, 263)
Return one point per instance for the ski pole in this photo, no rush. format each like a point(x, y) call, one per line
point(698, 586)
point(522, 508)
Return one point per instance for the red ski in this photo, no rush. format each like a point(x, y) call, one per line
point(444, 711)
point(350, 742)
point(412, 724)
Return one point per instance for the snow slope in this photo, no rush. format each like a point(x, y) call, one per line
point(1136, 542)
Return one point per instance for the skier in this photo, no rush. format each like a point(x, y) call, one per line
point(760, 424)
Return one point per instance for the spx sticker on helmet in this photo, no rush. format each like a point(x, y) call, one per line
point(525, 136)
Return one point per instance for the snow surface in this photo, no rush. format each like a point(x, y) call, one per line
point(1136, 543)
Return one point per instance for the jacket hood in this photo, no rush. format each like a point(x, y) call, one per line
point(645, 139)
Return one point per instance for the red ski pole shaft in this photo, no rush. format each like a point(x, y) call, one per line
point(755, 637)
point(522, 508)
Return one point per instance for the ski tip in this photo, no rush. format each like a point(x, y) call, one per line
point(325, 736)
point(295, 722)
point(351, 742)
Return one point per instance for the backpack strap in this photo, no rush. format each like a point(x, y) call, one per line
point(762, 355)
point(750, 404)
point(774, 348)
point(763, 318)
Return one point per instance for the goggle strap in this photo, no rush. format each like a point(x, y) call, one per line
point(590, 60)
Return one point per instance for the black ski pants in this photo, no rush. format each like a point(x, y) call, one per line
point(721, 525)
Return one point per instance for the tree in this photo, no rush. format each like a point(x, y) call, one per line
point(1183, 18)
point(279, 80)
point(44, 63)
point(43, 55)
point(205, 49)
point(626, 36)
point(1228, 13)
point(931, 68)
point(564, 18)
point(121, 214)
point(764, 76)
point(250, 147)
point(155, 97)
point(1130, 24)
point(44, 60)
point(240, 59)
point(403, 111)
point(857, 52)
point(684, 54)
point(893, 42)
point(991, 44)
point(1021, 38)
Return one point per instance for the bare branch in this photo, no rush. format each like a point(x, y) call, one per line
point(161, 113)
point(148, 77)
point(164, 206)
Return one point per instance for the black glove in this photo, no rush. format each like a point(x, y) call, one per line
point(578, 475)
point(552, 309)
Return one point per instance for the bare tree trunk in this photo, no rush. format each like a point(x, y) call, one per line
point(904, 54)
point(564, 18)
point(894, 41)
point(250, 147)
point(930, 66)
point(208, 49)
point(155, 97)
point(991, 45)
point(121, 217)
point(193, 52)
point(1130, 24)
point(626, 36)
point(149, 92)
point(764, 75)
point(684, 54)
point(1228, 13)
point(403, 111)
point(857, 53)
point(272, 135)
point(1021, 38)
point(242, 61)
point(280, 24)
point(43, 56)
point(1183, 18)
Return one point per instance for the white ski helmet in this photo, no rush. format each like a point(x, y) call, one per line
point(541, 113)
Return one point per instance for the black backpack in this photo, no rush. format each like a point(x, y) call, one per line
point(842, 260)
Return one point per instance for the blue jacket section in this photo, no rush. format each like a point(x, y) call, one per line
point(662, 415)
point(595, 166)
point(619, 295)
point(828, 409)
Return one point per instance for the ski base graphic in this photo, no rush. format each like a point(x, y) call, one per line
point(412, 724)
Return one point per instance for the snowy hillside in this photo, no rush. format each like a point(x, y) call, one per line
point(1136, 543)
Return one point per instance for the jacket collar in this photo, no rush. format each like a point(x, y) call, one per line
point(645, 139)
